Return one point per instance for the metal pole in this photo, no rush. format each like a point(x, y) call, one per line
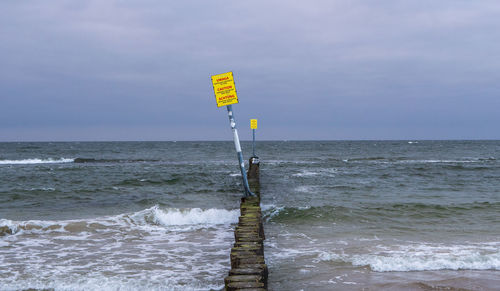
point(253, 143)
point(238, 150)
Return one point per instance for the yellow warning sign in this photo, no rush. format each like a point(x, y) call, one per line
point(224, 89)
point(253, 123)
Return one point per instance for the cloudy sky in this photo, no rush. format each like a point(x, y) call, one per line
point(140, 70)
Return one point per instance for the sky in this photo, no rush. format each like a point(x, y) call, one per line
point(103, 70)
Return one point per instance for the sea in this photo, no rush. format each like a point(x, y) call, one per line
point(338, 215)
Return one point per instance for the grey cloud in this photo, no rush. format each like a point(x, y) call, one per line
point(330, 69)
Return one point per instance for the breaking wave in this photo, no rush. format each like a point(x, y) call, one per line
point(407, 160)
point(71, 160)
point(36, 161)
point(424, 257)
point(164, 249)
point(194, 216)
point(92, 160)
point(151, 217)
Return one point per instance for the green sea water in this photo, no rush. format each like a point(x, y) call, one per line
point(339, 215)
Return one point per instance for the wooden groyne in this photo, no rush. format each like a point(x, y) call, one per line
point(248, 266)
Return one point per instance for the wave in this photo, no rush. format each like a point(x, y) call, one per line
point(341, 213)
point(423, 257)
point(92, 160)
point(194, 216)
point(306, 173)
point(304, 214)
point(72, 160)
point(366, 159)
point(435, 161)
point(36, 161)
point(151, 217)
point(140, 182)
point(329, 172)
point(140, 281)
point(151, 249)
point(407, 160)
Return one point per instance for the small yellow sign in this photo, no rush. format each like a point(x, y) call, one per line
point(253, 123)
point(224, 89)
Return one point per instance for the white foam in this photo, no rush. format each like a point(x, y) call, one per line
point(329, 172)
point(306, 189)
point(144, 219)
point(305, 174)
point(36, 161)
point(134, 251)
point(271, 211)
point(48, 189)
point(148, 281)
point(437, 161)
point(428, 161)
point(31, 226)
point(266, 207)
point(362, 239)
point(195, 216)
point(424, 257)
point(431, 161)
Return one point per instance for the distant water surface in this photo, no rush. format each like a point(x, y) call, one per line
point(347, 215)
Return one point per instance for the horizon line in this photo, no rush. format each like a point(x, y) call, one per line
point(230, 140)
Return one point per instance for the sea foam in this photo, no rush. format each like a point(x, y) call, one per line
point(36, 161)
point(424, 258)
point(195, 216)
point(153, 249)
point(150, 217)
